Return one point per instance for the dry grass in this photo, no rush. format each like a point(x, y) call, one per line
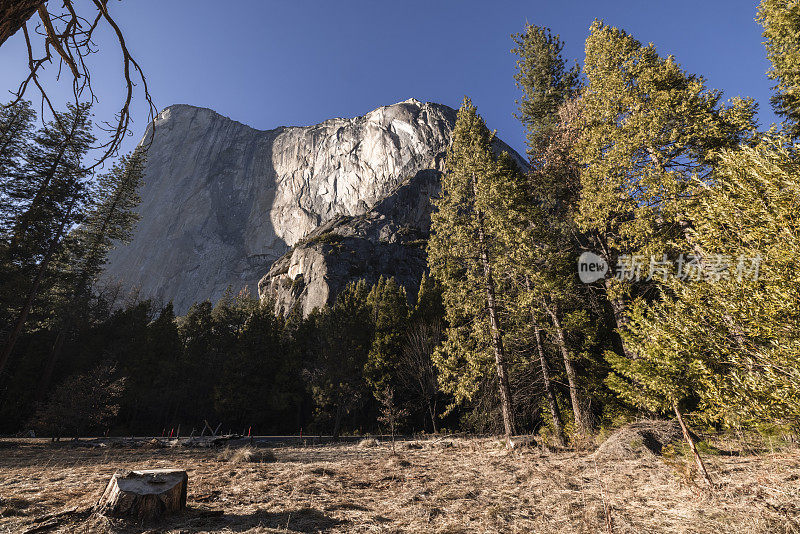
point(468, 485)
point(241, 455)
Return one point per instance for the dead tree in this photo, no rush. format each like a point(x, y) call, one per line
point(417, 371)
point(66, 36)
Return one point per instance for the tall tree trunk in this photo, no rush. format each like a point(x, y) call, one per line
point(548, 388)
point(581, 420)
point(497, 340)
point(15, 13)
point(558, 428)
point(494, 325)
point(701, 467)
point(26, 307)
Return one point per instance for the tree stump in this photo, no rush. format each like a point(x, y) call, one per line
point(144, 495)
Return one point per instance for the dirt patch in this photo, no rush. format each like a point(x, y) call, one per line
point(639, 439)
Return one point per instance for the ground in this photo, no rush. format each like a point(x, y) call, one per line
point(445, 485)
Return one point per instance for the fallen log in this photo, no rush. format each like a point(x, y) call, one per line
point(213, 441)
point(144, 495)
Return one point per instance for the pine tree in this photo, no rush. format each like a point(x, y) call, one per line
point(540, 233)
point(389, 310)
point(429, 308)
point(779, 18)
point(257, 386)
point(462, 253)
point(110, 221)
point(154, 385)
point(201, 361)
point(344, 338)
point(659, 374)
point(55, 197)
point(649, 130)
point(16, 129)
point(728, 336)
point(546, 84)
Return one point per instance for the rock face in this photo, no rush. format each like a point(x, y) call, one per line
point(389, 240)
point(223, 201)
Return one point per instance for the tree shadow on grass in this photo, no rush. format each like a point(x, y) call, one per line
point(299, 520)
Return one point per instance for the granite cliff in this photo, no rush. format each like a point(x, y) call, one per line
point(223, 202)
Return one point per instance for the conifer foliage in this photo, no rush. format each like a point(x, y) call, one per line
point(463, 256)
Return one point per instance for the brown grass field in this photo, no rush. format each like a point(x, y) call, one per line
point(450, 485)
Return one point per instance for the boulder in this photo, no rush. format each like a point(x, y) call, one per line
point(144, 495)
point(640, 439)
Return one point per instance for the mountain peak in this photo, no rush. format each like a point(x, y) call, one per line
point(222, 201)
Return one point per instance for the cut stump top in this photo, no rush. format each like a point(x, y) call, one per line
point(150, 481)
point(144, 495)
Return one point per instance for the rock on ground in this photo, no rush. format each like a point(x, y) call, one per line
point(642, 438)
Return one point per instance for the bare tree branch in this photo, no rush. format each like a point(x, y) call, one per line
point(71, 36)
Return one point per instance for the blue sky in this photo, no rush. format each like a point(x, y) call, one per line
point(268, 63)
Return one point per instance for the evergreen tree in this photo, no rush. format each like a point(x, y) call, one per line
point(429, 308)
point(201, 362)
point(649, 129)
point(389, 305)
point(344, 335)
point(779, 18)
point(462, 254)
point(726, 337)
point(16, 130)
point(153, 386)
point(258, 385)
point(110, 221)
point(537, 224)
point(55, 197)
point(546, 84)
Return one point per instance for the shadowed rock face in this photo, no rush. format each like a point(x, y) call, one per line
point(223, 201)
point(389, 240)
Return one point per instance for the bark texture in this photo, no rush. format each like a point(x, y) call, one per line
point(15, 13)
point(144, 495)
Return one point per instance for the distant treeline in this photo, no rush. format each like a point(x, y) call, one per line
point(141, 370)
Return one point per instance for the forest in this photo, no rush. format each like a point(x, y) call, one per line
point(690, 206)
